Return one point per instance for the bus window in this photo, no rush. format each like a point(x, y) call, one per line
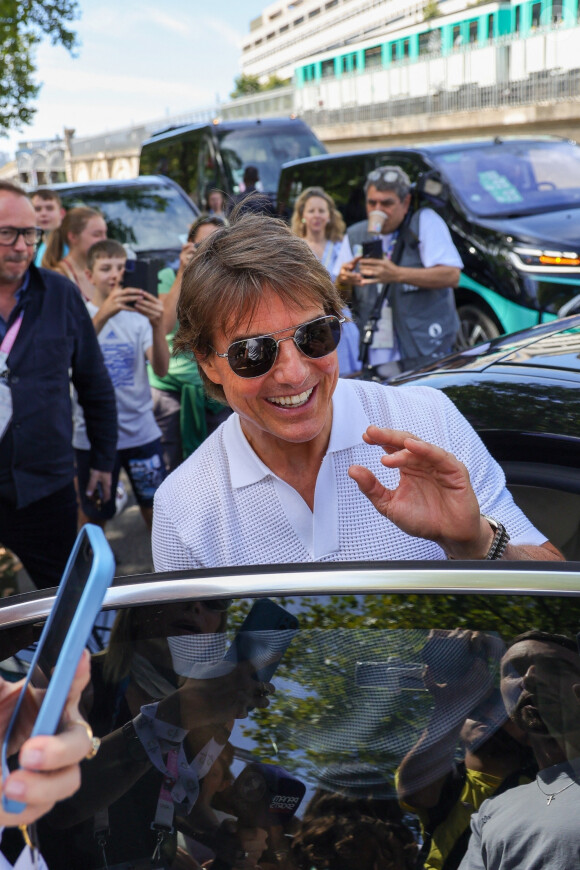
point(266, 148)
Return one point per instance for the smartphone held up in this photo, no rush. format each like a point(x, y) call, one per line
point(88, 573)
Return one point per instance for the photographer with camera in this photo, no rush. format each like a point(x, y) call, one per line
point(441, 790)
point(411, 282)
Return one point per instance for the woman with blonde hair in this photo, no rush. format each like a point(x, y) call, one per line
point(317, 220)
point(80, 229)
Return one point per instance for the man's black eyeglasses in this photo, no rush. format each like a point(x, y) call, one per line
point(253, 357)
point(9, 235)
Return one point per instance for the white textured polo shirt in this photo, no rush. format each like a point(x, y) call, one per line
point(223, 506)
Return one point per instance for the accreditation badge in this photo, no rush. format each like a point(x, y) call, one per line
point(384, 337)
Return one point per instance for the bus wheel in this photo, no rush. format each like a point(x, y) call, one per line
point(475, 326)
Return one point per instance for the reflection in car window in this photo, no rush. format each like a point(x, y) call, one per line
point(149, 218)
point(513, 177)
point(335, 732)
point(267, 152)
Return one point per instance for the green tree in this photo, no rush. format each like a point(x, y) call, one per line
point(431, 10)
point(245, 85)
point(23, 25)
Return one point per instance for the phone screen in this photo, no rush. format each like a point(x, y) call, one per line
point(62, 616)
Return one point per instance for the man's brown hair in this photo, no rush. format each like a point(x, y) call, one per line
point(227, 276)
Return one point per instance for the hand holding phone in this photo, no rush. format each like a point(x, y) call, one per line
point(39, 756)
point(372, 250)
point(88, 573)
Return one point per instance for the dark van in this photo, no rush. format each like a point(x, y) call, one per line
point(200, 157)
point(513, 209)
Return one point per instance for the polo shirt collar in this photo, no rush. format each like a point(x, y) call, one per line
point(349, 421)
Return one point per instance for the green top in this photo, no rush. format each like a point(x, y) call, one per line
point(183, 377)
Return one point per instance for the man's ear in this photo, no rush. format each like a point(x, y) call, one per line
point(207, 363)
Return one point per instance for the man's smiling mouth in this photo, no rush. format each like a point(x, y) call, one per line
point(300, 399)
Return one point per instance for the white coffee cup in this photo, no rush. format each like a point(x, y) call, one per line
point(376, 221)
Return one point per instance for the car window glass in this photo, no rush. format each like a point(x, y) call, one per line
point(148, 218)
point(367, 707)
point(266, 151)
point(514, 178)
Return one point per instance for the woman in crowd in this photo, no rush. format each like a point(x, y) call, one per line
point(317, 220)
point(80, 229)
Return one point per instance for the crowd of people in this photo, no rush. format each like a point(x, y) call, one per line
point(227, 400)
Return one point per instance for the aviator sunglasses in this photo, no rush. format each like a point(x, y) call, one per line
point(253, 357)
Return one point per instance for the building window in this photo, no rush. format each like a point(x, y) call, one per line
point(331, 5)
point(327, 68)
point(299, 20)
point(518, 20)
point(314, 12)
point(457, 39)
point(490, 26)
point(536, 14)
point(557, 14)
point(258, 42)
point(406, 47)
point(472, 32)
point(373, 57)
point(270, 35)
point(393, 51)
point(430, 42)
point(284, 28)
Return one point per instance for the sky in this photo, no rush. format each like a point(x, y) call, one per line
point(138, 60)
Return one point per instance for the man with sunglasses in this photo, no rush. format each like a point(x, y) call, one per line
point(276, 482)
point(417, 320)
point(45, 332)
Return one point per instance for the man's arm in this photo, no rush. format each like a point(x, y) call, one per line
point(171, 298)
point(430, 278)
point(434, 498)
point(158, 352)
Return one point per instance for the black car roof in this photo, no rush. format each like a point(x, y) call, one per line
point(432, 148)
point(224, 125)
point(140, 181)
point(554, 345)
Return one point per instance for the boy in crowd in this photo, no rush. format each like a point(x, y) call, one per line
point(49, 215)
point(129, 326)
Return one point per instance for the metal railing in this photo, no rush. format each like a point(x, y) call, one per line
point(545, 88)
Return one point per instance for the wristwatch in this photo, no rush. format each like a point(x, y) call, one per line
point(500, 538)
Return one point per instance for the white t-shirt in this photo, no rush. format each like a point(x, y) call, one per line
point(517, 829)
point(124, 340)
point(435, 247)
point(224, 507)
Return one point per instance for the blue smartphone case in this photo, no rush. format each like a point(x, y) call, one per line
point(101, 573)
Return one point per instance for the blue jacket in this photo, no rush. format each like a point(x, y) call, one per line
point(56, 337)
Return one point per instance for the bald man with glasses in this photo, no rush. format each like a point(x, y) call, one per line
point(45, 333)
